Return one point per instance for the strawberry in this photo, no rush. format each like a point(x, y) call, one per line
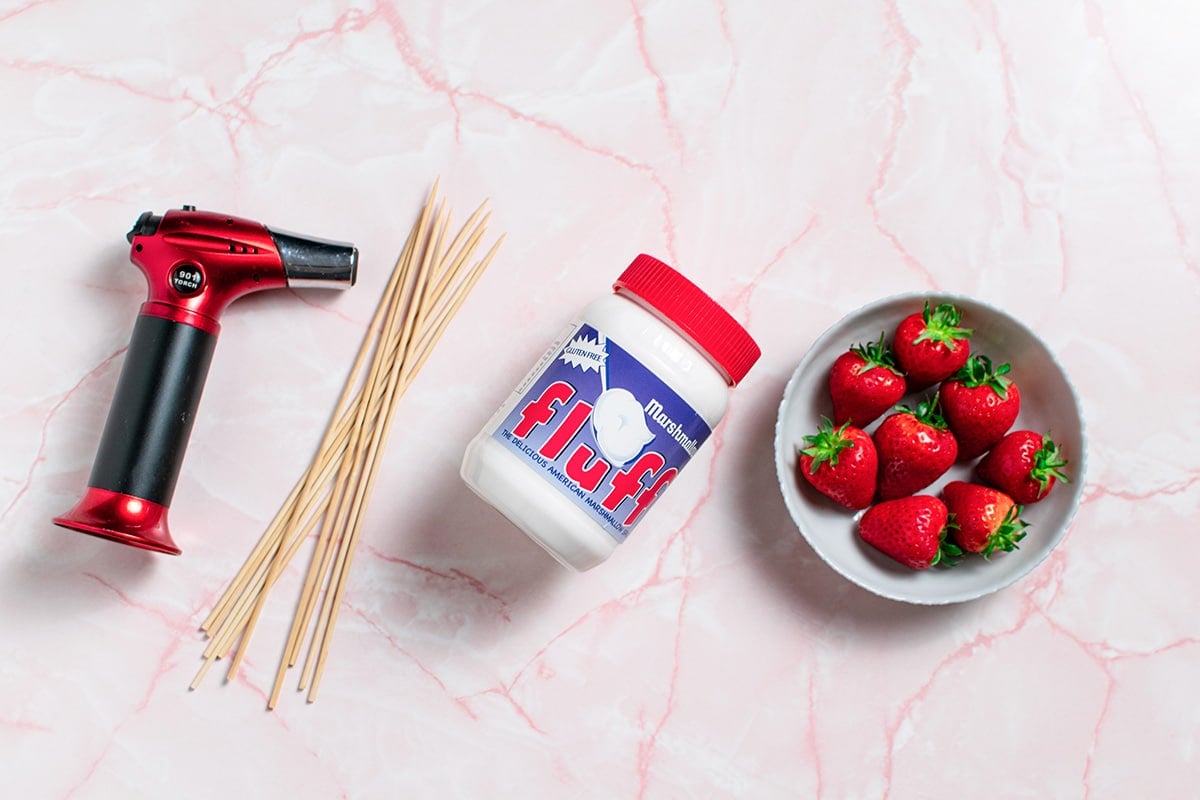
point(1023, 465)
point(987, 520)
point(914, 448)
point(980, 404)
point(865, 382)
point(840, 464)
point(931, 346)
point(912, 530)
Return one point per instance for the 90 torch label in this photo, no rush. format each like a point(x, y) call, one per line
point(603, 429)
point(187, 279)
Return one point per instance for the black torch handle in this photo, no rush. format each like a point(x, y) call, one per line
point(152, 412)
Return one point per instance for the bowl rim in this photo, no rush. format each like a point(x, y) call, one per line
point(783, 472)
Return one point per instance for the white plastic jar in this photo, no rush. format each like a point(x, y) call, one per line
point(614, 409)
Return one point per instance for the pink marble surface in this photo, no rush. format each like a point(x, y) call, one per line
point(797, 159)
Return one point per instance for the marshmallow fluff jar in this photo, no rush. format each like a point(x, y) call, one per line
point(602, 425)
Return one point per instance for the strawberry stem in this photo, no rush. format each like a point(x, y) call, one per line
point(942, 326)
point(928, 411)
point(948, 552)
point(978, 372)
point(1005, 537)
point(826, 444)
point(876, 354)
point(1048, 462)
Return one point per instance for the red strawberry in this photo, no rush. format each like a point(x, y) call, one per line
point(980, 404)
point(865, 382)
point(987, 520)
point(1024, 465)
point(931, 346)
point(914, 448)
point(840, 464)
point(911, 530)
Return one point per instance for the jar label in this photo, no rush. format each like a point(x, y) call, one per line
point(603, 428)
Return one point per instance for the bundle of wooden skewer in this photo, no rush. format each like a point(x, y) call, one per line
point(431, 279)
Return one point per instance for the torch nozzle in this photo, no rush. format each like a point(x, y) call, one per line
point(309, 262)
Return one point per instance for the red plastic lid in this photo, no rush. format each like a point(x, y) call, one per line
point(696, 315)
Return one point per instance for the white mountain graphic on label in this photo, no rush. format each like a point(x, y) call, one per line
point(620, 425)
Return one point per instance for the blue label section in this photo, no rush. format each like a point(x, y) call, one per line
point(604, 429)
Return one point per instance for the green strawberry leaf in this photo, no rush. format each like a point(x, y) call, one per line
point(876, 354)
point(942, 325)
point(948, 552)
point(1005, 537)
point(978, 372)
point(928, 411)
point(1048, 462)
point(826, 444)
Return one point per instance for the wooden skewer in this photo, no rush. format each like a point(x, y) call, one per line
point(310, 485)
point(384, 384)
point(265, 543)
point(319, 566)
point(425, 291)
point(333, 447)
point(342, 570)
point(427, 231)
point(423, 344)
point(454, 265)
point(223, 638)
point(235, 612)
point(339, 430)
point(235, 627)
point(252, 570)
point(410, 371)
point(376, 330)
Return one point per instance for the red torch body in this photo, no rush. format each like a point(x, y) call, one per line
point(196, 263)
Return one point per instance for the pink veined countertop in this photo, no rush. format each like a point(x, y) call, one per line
point(795, 159)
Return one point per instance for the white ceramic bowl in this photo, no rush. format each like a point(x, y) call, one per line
point(1048, 404)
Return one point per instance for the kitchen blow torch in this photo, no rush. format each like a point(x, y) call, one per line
point(196, 263)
